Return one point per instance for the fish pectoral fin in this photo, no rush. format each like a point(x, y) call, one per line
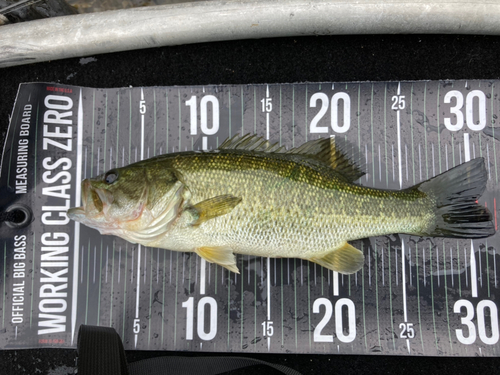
point(222, 256)
point(345, 259)
point(214, 207)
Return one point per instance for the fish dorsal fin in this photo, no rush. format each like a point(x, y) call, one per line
point(338, 154)
point(250, 142)
point(334, 152)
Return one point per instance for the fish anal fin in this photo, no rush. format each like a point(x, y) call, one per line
point(345, 259)
point(222, 256)
point(214, 207)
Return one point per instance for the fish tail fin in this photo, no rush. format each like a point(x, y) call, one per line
point(455, 193)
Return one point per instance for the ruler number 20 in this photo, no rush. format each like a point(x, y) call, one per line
point(325, 102)
point(339, 326)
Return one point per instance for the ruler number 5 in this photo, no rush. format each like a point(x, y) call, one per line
point(137, 326)
point(407, 331)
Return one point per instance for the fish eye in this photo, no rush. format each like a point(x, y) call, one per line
point(110, 177)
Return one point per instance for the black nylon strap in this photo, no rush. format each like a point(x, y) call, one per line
point(100, 352)
point(199, 365)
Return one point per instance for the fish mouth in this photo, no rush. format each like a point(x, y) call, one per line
point(76, 213)
point(95, 201)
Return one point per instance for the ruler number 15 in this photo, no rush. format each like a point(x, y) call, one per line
point(267, 328)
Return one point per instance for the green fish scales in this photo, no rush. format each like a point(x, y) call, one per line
point(289, 209)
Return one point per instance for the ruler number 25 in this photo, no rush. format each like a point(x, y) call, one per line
point(398, 102)
point(407, 330)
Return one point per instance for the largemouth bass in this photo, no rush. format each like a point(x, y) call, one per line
point(251, 197)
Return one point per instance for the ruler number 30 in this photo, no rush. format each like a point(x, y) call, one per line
point(481, 322)
point(473, 97)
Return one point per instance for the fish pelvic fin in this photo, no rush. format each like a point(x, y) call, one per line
point(455, 194)
point(213, 207)
point(222, 256)
point(345, 259)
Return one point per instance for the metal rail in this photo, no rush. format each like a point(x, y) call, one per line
point(146, 27)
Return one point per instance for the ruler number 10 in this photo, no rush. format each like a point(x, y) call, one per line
point(193, 114)
point(202, 304)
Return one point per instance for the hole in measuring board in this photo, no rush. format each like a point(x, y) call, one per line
point(20, 216)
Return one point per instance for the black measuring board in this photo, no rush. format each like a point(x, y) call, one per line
point(422, 296)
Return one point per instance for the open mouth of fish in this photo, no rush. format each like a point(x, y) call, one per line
point(95, 201)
